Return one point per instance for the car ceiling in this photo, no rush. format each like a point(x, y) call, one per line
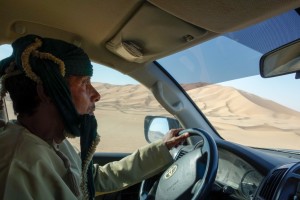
point(128, 34)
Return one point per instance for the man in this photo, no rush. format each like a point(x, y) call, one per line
point(49, 83)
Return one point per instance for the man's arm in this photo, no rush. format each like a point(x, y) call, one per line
point(142, 164)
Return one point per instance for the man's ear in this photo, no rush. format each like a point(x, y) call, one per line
point(41, 94)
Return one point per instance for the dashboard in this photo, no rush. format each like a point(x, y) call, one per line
point(238, 175)
point(246, 173)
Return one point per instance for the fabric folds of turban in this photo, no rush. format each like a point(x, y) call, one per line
point(49, 61)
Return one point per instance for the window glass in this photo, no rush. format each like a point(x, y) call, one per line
point(222, 77)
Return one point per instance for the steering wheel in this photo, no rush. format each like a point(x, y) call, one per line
point(189, 177)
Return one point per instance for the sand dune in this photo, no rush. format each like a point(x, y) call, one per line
point(248, 119)
point(238, 116)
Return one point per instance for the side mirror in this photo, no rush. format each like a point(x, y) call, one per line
point(155, 127)
point(281, 61)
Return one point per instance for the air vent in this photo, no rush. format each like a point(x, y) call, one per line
point(268, 190)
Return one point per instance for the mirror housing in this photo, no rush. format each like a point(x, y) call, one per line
point(156, 127)
point(281, 61)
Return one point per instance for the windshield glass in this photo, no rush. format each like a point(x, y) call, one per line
point(222, 77)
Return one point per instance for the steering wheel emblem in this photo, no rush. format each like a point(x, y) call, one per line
point(171, 171)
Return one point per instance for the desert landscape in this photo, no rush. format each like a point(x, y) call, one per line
point(247, 119)
point(238, 116)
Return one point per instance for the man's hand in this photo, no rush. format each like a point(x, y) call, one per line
point(172, 139)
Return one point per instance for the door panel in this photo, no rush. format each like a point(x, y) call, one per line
point(130, 193)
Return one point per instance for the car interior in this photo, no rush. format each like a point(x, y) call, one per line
point(135, 38)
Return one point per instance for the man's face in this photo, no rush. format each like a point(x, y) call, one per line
point(84, 95)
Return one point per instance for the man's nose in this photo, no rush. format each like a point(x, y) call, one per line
point(95, 95)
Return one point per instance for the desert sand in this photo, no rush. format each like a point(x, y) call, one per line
point(238, 116)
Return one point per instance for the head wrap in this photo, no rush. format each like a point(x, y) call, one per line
point(47, 61)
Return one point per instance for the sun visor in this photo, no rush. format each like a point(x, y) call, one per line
point(152, 33)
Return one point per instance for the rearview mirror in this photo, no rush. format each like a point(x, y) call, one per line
point(281, 61)
point(155, 127)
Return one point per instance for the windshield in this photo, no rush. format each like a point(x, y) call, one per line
point(222, 77)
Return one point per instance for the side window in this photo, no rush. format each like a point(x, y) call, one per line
point(120, 112)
